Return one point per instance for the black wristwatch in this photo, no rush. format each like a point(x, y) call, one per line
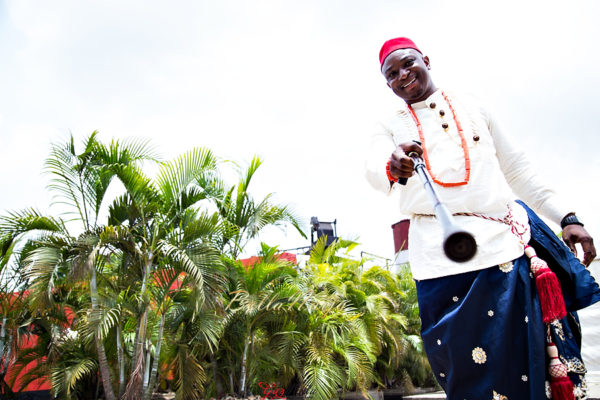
point(570, 219)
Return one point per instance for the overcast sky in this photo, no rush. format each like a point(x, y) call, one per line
point(296, 82)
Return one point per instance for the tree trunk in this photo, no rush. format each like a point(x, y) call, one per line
point(134, 386)
point(244, 367)
point(97, 394)
point(121, 362)
point(2, 334)
point(102, 361)
point(154, 372)
point(134, 354)
point(9, 349)
point(216, 380)
point(3, 360)
point(134, 390)
point(251, 353)
point(147, 365)
point(5, 353)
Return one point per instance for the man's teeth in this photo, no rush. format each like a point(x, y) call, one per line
point(409, 83)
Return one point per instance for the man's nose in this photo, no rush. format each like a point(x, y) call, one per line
point(404, 73)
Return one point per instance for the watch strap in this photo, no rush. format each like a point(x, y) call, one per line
point(570, 219)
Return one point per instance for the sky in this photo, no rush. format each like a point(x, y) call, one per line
point(296, 83)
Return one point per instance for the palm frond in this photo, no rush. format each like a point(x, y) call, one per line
point(139, 187)
point(175, 177)
point(100, 321)
point(203, 258)
point(69, 178)
point(44, 269)
point(127, 151)
point(65, 378)
point(322, 380)
point(190, 375)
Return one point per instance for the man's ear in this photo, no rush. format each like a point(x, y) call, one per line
point(426, 61)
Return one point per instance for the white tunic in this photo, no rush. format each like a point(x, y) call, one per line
point(497, 166)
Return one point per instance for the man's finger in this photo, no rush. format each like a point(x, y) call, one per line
point(571, 245)
point(587, 259)
point(411, 146)
point(589, 252)
point(400, 169)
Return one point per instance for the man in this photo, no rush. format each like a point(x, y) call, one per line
point(482, 322)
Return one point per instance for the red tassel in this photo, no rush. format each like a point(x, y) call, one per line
point(562, 389)
point(560, 384)
point(548, 287)
point(551, 299)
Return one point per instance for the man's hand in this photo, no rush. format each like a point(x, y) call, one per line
point(401, 165)
point(574, 233)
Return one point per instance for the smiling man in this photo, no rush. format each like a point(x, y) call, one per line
point(485, 328)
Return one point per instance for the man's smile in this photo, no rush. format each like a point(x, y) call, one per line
point(409, 83)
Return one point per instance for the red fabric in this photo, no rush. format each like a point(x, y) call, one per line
point(562, 389)
point(400, 230)
point(388, 172)
point(395, 44)
point(551, 300)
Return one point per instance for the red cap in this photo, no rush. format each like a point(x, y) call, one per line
point(395, 44)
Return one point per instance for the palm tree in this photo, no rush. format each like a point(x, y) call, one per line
point(242, 216)
point(14, 302)
point(151, 226)
point(194, 330)
point(333, 350)
point(379, 306)
point(81, 182)
point(264, 292)
point(413, 367)
point(164, 233)
point(241, 219)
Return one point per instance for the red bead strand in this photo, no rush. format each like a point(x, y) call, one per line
point(463, 142)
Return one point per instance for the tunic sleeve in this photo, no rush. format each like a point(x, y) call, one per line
point(521, 178)
point(381, 148)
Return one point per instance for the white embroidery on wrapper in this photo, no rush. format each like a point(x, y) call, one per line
point(558, 329)
point(498, 396)
point(580, 391)
point(479, 355)
point(548, 390)
point(506, 267)
point(574, 365)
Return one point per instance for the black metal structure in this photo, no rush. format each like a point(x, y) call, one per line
point(322, 228)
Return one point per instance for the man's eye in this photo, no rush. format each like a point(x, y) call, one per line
point(392, 75)
point(409, 63)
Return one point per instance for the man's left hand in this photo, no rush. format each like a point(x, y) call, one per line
point(574, 233)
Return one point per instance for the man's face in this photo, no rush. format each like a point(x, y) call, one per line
point(407, 74)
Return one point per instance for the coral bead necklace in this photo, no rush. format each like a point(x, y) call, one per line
point(462, 141)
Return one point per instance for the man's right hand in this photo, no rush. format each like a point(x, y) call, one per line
point(401, 165)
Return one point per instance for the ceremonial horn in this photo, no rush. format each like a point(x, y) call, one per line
point(459, 245)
